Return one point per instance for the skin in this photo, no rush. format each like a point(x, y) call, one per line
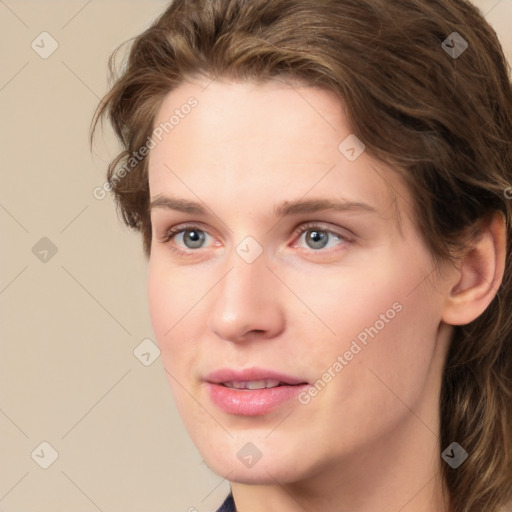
point(369, 440)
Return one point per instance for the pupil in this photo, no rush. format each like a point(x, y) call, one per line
point(317, 239)
point(193, 239)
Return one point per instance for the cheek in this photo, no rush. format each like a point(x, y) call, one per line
point(171, 295)
point(167, 314)
point(385, 319)
point(175, 308)
point(165, 309)
point(160, 305)
point(396, 354)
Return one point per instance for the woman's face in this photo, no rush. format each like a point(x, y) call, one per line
point(294, 256)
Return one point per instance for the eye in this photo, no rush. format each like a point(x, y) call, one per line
point(183, 238)
point(186, 239)
point(192, 238)
point(317, 238)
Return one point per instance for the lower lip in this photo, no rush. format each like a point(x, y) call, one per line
point(252, 402)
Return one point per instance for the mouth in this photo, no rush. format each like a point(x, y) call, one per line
point(252, 378)
point(255, 384)
point(252, 392)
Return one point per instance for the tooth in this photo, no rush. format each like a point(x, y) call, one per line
point(261, 384)
point(253, 384)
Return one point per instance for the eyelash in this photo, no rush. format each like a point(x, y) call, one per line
point(171, 233)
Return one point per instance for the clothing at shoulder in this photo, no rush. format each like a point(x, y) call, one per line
point(228, 505)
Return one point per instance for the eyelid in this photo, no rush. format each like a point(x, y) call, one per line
point(320, 226)
point(179, 228)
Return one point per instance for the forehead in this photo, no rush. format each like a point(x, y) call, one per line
point(249, 143)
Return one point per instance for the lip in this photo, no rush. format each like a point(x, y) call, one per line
point(255, 402)
point(228, 374)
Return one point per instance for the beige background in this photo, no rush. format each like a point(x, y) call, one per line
point(69, 325)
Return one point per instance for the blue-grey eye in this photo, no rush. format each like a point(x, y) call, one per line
point(193, 238)
point(317, 239)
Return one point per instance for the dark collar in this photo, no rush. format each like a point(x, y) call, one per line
point(228, 505)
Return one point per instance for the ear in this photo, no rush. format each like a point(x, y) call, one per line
point(479, 275)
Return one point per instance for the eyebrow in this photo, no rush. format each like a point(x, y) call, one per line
point(287, 208)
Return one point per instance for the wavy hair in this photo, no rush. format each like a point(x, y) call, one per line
point(443, 120)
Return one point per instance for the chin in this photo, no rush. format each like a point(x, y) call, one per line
point(234, 465)
point(259, 474)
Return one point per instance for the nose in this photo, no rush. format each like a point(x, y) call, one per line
point(246, 303)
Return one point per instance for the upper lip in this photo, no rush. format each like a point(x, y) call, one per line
point(251, 374)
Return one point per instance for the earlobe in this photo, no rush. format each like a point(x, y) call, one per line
point(480, 272)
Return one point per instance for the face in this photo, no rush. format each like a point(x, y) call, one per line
point(282, 259)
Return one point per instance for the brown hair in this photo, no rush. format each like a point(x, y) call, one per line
point(443, 120)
